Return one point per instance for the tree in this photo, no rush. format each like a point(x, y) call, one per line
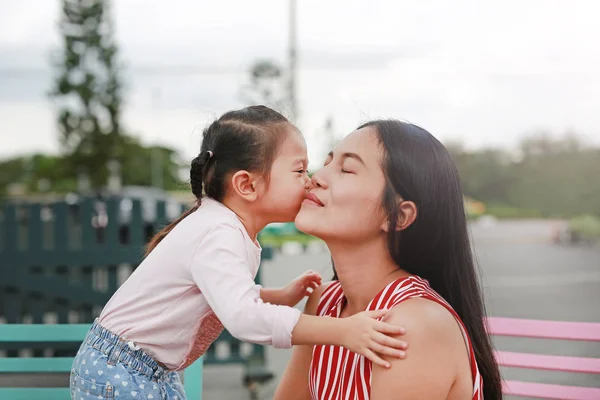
point(486, 175)
point(557, 176)
point(89, 85)
point(553, 176)
point(151, 166)
point(266, 85)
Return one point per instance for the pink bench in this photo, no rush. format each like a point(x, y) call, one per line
point(584, 331)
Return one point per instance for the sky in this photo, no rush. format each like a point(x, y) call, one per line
point(481, 73)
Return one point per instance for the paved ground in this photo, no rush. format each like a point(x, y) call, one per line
point(524, 276)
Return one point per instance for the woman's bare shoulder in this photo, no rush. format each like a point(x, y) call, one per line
point(435, 348)
point(426, 319)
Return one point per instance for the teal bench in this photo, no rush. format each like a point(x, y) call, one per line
point(62, 333)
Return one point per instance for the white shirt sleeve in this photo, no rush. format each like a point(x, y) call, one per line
point(221, 269)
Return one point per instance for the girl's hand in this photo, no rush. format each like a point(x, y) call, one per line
point(299, 288)
point(365, 335)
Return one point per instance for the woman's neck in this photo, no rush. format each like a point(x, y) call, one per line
point(363, 271)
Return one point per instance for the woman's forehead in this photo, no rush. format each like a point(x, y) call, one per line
point(363, 142)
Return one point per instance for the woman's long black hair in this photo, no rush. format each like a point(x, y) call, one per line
point(436, 246)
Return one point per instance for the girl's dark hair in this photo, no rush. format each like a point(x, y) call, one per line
point(246, 139)
point(436, 246)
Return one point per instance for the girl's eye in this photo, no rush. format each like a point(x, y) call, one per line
point(302, 171)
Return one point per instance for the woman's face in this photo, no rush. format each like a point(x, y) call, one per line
point(347, 202)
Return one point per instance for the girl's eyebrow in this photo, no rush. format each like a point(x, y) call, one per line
point(301, 160)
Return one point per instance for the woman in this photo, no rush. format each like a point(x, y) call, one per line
point(389, 205)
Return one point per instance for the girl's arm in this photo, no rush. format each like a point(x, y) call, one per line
point(360, 333)
point(273, 296)
point(220, 269)
point(293, 292)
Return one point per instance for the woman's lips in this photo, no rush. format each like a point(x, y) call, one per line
point(310, 203)
point(312, 199)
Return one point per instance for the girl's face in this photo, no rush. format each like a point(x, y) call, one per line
point(289, 181)
point(345, 202)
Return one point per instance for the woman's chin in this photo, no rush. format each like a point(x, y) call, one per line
point(305, 222)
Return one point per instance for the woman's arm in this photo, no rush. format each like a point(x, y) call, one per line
point(294, 383)
point(437, 354)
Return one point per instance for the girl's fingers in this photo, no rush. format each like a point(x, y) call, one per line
point(376, 313)
point(388, 351)
point(313, 275)
point(376, 359)
point(390, 341)
point(385, 327)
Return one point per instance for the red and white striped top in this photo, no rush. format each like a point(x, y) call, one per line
point(339, 374)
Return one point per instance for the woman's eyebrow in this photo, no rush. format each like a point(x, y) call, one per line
point(349, 155)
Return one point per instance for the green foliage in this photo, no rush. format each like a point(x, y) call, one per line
point(587, 227)
point(45, 173)
point(507, 212)
point(145, 166)
point(548, 177)
point(276, 240)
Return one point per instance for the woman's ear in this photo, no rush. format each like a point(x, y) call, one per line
point(407, 214)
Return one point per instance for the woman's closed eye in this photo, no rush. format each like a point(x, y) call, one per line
point(345, 169)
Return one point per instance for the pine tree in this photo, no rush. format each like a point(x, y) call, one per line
point(88, 86)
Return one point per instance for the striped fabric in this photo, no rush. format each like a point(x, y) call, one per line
point(338, 374)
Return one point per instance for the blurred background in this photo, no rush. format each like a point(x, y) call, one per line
point(103, 103)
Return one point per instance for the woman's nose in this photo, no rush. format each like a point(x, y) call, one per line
point(317, 179)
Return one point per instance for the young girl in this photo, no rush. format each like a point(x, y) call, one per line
point(198, 274)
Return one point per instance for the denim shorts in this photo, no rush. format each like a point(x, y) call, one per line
point(110, 367)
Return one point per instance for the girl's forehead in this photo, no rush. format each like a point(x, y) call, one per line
point(293, 146)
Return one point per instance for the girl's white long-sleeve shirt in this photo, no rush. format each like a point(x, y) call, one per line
point(198, 279)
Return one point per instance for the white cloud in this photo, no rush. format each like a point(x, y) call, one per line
point(482, 72)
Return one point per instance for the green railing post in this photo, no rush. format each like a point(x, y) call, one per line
point(46, 266)
point(192, 380)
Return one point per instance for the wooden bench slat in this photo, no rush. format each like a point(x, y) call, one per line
point(547, 362)
point(549, 391)
point(519, 327)
point(35, 393)
point(43, 333)
point(30, 365)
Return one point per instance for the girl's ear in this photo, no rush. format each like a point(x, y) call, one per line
point(244, 184)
